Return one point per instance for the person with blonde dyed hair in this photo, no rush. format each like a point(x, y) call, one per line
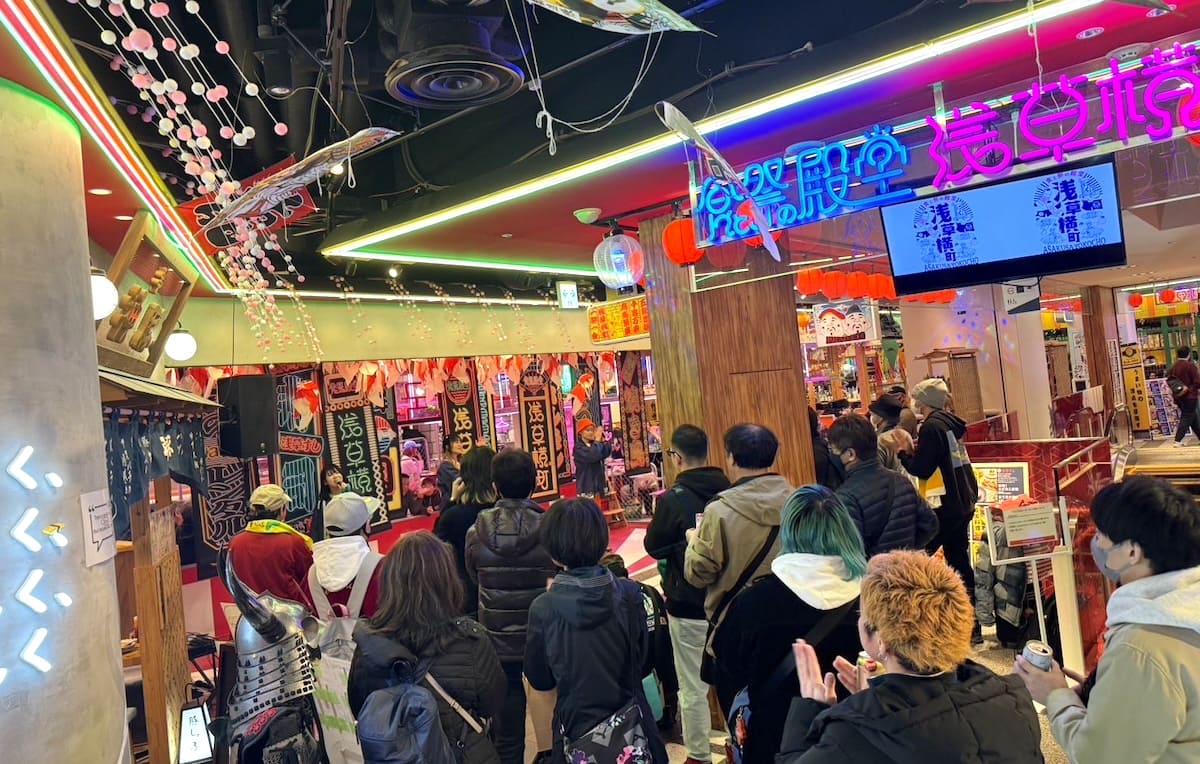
point(930, 703)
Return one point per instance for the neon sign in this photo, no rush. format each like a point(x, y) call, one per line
point(809, 182)
point(1055, 117)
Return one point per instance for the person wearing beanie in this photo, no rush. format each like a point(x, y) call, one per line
point(270, 556)
point(908, 419)
point(344, 570)
point(885, 414)
point(940, 448)
point(590, 453)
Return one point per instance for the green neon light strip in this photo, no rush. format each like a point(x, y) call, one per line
point(471, 262)
point(25, 92)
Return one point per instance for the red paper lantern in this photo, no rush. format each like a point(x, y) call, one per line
point(1136, 300)
point(679, 242)
point(889, 288)
point(856, 284)
point(1167, 295)
point(834, 285)
point(726, 257)
point(808, 282)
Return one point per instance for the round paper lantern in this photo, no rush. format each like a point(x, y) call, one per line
point(834, 285)
point(856, 284)
point(727, 257)
point(1136, 300)
point(1167, 295)
point(618, 261)
point(808, 282)
point(180, 345)
point(104, 295)
point(679, 242)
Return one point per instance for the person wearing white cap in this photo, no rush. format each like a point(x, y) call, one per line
point(344, 565)
point(270, 556)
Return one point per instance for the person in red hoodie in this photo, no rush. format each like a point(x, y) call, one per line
point(345, 569)
point(1186, 372)
point(270, 556)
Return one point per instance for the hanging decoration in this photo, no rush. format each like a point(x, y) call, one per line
point(494, 324)
point(419, 328)
point(524, 335)
point(358, 319)
point(1166, 296)
point(619, 261)
point(808, 282)
point(453, 315)
point(1136, 300)
point(833, 285)
point(641, 17)
point(679, 242)
point(881, 287)
point(856, 285)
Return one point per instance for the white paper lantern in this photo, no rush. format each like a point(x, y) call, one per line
point(180, 346)
point(104, 295)
point(619, 261)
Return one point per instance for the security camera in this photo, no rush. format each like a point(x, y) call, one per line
point(588, 215)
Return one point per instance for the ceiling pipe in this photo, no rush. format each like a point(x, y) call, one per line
point(236, 32)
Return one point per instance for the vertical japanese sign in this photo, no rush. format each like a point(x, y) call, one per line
point(537, 429)
point(300, 446)
point(1137, 400)
point(559, 415)
point(354, 447)
point(487, 420)
point(631, 391)
point(460, 404)
point(223, 513)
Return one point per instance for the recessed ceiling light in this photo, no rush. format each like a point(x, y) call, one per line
point(1089, 33)
point(123, 217)
point(393, 272)
point(100, 191)
point(506, 236)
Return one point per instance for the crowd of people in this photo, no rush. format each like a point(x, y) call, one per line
point(819, 616)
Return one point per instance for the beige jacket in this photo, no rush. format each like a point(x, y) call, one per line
point(735, 526)
point(1145, 706)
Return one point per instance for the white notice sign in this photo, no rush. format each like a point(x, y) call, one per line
point(99, 540)
point(1030, 525)
point(1022, 296)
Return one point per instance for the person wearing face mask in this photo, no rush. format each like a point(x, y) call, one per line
point(884, 505)
point(1143, 701)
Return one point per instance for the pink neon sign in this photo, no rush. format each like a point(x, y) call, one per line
point(1054, 116)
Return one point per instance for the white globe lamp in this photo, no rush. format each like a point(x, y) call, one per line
point(104, 295)
point(181, 345)
point(619, 261)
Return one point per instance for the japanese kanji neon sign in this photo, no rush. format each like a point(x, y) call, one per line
point(1055, 119)
point(810, 182)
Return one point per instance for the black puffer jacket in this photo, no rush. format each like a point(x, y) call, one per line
point(666, 538)
point(907, 523)
point(506, 560)
point(971, 716)
point(464, 664)
point(588, 640)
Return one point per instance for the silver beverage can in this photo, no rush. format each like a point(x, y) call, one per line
point(1038, 654)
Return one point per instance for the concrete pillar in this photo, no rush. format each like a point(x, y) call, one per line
point(62, 696)
point(1023, 364)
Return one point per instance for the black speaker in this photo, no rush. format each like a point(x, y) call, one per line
point(249, 421)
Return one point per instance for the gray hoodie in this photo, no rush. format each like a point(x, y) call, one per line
point(734, 529)
point(1145, 706)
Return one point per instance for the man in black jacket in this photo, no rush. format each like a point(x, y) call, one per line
point(504, 556)
point(887, 509)
point(695, 485)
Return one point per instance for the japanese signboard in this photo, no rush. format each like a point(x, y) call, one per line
point(461, 416)
point(223, 511)
point(559, 414)
point(1136, 399)
point(845, 323)
point(630, 382)
point(538, 430)
point(291, 208)
point(1067, 118)
point(487, 420)
point(354, 447)
point(340, 389)
point(300, 447)
point(620, 320)
point(641, 17)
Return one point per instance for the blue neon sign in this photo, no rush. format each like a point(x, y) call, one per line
point(809, 182)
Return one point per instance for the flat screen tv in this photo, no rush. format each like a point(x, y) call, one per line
point(1057, 221)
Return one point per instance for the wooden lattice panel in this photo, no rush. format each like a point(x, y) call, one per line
point(163, 645)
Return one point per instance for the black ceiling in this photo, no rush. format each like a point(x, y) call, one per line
point(749, 48)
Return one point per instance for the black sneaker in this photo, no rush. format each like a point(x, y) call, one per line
point(977, 636)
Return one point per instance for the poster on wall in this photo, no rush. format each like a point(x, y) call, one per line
point(460, 402)
point(298, 401)
point(537, 429)
point(845, 323)
point(1164, 410)
point(354, 447)
point(223, 513)
point(559, 413)
point(631, 392)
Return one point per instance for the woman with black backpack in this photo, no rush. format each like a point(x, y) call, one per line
point(415, 651)
point(587, 639)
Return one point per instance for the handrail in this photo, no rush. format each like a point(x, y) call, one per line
point(1098, 442)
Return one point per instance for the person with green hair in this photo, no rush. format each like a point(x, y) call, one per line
point(810, 594)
